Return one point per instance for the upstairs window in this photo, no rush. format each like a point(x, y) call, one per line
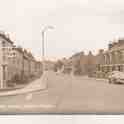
point(3, 43)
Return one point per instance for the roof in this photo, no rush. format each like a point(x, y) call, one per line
point(6, 38)
point(19, 49)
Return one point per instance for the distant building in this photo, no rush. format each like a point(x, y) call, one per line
point(48, 65)
point(91, 64)
point(67, 66)
point(81, 64)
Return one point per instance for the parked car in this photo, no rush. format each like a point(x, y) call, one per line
point(116, 77)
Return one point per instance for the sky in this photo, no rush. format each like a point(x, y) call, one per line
point(79, 25)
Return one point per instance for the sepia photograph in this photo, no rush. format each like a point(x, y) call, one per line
point(61, 57)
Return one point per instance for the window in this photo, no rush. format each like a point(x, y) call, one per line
point(122, 55)
point(3, 43)
point(113, 68)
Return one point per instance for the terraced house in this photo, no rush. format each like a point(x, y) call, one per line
point(101, 64)
point(112, 59)
point(15, 61)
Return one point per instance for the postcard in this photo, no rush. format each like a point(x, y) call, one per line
point(61, 57)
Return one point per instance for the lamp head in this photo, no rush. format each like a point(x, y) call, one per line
point(47, 27)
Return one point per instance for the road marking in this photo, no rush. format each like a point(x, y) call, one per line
point(29, 96)
point(47, 106)
point(40, 106)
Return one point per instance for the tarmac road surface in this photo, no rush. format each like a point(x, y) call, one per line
point(68, 94)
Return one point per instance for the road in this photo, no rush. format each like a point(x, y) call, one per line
point(68, 94)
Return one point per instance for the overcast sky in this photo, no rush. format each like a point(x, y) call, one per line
point(80, 25)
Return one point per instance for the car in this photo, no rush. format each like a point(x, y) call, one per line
point(116, 77)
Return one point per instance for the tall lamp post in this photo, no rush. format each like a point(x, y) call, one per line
point(43, 47)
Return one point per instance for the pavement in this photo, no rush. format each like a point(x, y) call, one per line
point(38, 84)
point(68, 94)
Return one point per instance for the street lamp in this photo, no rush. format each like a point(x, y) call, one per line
point(43, 48)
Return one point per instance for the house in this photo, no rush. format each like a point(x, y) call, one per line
point(16, 61)
point(5, 45)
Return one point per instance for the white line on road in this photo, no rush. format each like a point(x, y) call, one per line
point(28, 106)
point(42, 106)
